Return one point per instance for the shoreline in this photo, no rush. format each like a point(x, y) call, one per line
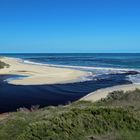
point(33, 74)
point(103, 93)
point(39, 74)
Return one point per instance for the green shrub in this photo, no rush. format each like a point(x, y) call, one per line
point(2, 65)
point(78, 123)
point(112, 118)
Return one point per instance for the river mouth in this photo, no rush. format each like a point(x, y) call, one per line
point(13, 97)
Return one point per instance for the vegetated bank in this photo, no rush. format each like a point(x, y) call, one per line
point(116, 117)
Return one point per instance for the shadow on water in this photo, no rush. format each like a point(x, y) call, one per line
point(13, 97)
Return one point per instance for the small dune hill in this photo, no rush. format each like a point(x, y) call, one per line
point(122, 99)
point(116, 117)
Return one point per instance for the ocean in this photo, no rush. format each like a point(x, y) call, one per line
point(105, 70)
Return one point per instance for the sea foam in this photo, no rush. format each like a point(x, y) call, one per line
point(94, 72)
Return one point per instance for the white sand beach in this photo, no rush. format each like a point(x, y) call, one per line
point(38, 74)
point(102, 93)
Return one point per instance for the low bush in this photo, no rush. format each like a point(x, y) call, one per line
point(2, 65)
point(113, 118)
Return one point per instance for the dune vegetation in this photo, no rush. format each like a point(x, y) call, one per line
point(2, 64)
point(116, 117)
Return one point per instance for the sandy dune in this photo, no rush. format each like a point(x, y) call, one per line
point(37, 74)
point(102, 93)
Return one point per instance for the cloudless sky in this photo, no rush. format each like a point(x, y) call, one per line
point(59, 26)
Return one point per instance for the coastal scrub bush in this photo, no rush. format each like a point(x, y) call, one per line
point(76, 124)
point(122, 99)
point(116, 117)
point(2, 65)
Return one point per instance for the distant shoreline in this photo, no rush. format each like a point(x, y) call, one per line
point(38, 74)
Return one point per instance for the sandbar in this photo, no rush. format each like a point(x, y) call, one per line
point(38, 74)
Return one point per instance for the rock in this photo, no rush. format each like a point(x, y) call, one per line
point(132, 72)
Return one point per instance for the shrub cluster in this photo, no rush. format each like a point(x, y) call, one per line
point(2, 65)
point(78, 124)
point(112, 118)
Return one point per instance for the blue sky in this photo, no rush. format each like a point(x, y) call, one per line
point(59, 26)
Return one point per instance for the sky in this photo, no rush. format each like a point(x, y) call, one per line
point(69, 26)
